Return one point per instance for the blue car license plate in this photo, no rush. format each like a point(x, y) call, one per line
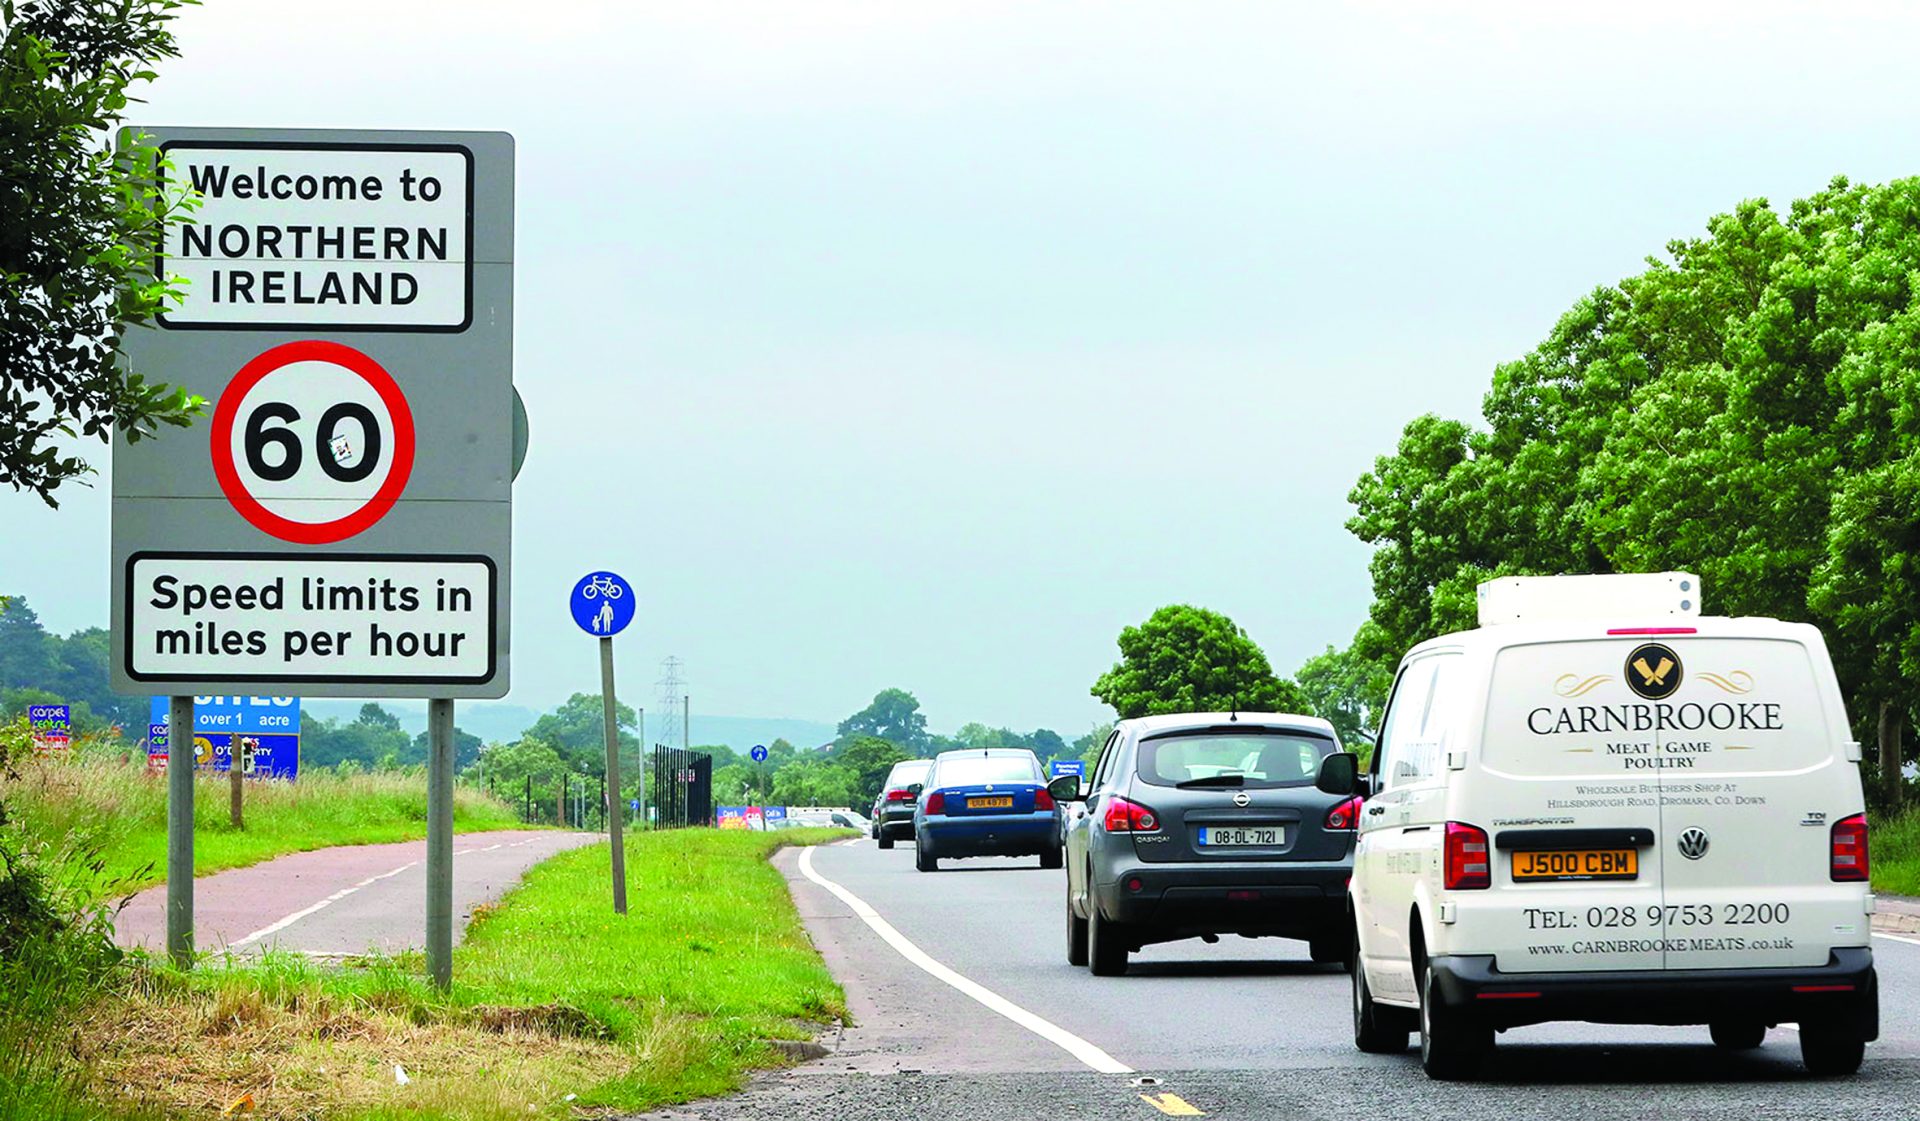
point(1228, 836)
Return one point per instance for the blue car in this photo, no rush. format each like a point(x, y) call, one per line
point(985, 802)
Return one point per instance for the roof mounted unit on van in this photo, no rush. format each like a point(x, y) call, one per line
point(1624, 598)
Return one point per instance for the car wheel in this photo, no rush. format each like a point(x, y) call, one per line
point(1831, 1048)
point(1737, 1035)
point(1076, 935)
point(1052, 858)
point(924, 860)
point(1452, 1044)
point(1331, 947)
point(1106, 946)
point(1377, 1030)
point(886, 842)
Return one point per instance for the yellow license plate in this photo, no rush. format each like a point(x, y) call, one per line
point(996, 803)
point(1577, 864)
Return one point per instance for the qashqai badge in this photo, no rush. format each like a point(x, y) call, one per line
point(1693, 844)
point(1653, 671)
point(1241, 798)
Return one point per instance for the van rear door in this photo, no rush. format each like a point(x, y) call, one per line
point(1572, 813)
point(1754, 777)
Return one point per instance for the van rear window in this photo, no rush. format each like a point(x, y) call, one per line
point(1233, 760)
point(1646, 706)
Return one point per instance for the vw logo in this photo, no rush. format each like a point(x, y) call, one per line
point(1693, 844)
point(1241, 798)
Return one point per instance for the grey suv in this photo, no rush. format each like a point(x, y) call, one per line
point(1205, 824)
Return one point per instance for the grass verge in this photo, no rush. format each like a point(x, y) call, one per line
point(559, 1007)
point(1895, 852)
point(117, 812)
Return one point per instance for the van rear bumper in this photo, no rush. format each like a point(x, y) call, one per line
point(1845, 988)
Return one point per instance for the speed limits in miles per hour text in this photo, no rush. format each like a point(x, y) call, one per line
point(267, 618)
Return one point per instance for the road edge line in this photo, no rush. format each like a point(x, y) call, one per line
point(277, 927)
point(1086, 1052)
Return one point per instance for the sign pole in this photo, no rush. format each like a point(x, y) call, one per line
point(180, 832)
point(234, 776)
point(613, 777)
point(440, 842)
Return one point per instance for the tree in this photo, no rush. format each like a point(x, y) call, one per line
point(1349, 687)
point(1047, 744)
point(894, 715)
point(525, 765)
point(867, 759)
point(79, 233)
point(466, 748)
point(1189, 659)
point(813, 781)
point(577, 730)
point(373, 739)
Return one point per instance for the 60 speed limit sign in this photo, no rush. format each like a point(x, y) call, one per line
point(312, 442)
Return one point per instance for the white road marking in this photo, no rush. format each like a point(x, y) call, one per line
point(1898, 938)
point(1053, 1033)
point(329, 901)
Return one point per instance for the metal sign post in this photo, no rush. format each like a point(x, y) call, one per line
point(603, 605)
point(341, 525)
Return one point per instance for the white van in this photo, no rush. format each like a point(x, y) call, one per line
point(1602, 806)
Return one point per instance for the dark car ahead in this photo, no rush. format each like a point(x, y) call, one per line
point(893, 809)
point(985, 802)
point(1206, 824)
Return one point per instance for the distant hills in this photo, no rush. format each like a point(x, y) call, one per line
point(498, 722)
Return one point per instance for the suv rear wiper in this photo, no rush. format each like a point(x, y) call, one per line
point(1212, 780)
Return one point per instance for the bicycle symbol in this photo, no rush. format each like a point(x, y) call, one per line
point(602, 585)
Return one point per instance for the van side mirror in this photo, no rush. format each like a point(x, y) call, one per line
point(1339, 774)
point(1065, 788)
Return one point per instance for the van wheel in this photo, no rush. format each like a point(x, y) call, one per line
point(1831, 1048)
point(1377, 1030)
point(1738, 1035)
point(1076, 935)
point(1106, 952)
point(1452, 1044)
point(923, 859)
point(886, 842)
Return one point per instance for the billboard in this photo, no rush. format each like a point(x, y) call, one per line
point(264, 730)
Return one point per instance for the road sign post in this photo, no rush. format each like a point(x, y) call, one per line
point(180, 837)
point(342, 525)
point(603, 605)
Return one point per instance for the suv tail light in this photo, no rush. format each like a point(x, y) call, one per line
point(1042, 800)
point(1345, 817)
point(1850, 848)
point(1469, 864)
point(899, 794)
point(1129, 817)
point(936, 803)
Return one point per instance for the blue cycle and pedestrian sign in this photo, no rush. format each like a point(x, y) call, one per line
point(759, 752)
point(603, 604)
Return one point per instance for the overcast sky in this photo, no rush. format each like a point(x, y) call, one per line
point(930, 344)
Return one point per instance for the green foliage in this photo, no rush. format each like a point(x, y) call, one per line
point(867, 760)
point(815, 781)
point(80, 228)
point(1349, 687)
point(1747, 408)
point(894, 715)
point(578, 731)
point(71, 670)
point(1189, 659)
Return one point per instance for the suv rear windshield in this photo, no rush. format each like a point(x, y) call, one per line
point(1257, 760)
point(908, 773)
point(969, 769)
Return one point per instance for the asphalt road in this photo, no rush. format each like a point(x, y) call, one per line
point(1241, 1029)
point(340, 901)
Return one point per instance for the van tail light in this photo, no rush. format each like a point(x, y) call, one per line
point(899, 795)
point(1042, 800)
point(1129, 817)
point(1469, 863)
point(1850, 849)
point(1345, 817)
point(936, 803)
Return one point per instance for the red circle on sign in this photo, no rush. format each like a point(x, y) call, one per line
point(368, 512)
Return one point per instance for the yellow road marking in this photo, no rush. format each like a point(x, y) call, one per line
point(1173, 1105)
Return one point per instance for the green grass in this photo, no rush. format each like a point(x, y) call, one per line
point(1895, 852)
point(118, 811)
point(553, 995)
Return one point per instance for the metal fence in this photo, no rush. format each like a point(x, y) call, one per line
point(682, 787)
